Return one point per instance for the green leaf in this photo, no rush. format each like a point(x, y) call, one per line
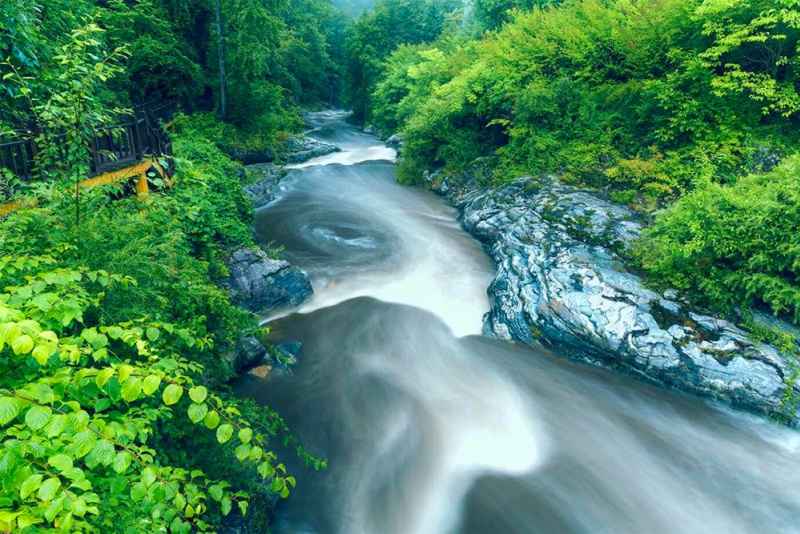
point(243, 507)
point(245, 434)
point(29, 485)
point(115, 332)
point(138, 491)
point(198, 393)
point(148, 476)
point(151, 384)
point(121, 461)
point(48, 489)
point(9, 409)
point(153, 333)
point(62, 462)
point(42, 353)
point(216, 492)
point(124, 372)
point(211, 420)
point(224, 433)
point(131, 388)
point(37, 417)
point(242, 452)
point(285, 492)
point(197, 412)
point(226, 506)
point(22, 344)
point(103, 377)
point(172, 394)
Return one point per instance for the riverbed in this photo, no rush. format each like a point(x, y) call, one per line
point(431, 427)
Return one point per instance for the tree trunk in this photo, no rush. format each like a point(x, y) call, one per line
point(223, 78)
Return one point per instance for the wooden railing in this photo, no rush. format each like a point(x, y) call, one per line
point(138, 135)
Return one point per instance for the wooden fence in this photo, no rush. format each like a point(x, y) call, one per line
point(137, 136)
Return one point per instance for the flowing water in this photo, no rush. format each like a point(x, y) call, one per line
point(431, 428)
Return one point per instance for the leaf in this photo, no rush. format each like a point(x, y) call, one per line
point(224, 433)
point(153, 334)
point(37, 417)
point(198, 393)
point(242, 452)
point(9, 409)
point(151, 384)
point(216, 492)
point(29, 485)
point(148, 476)
point(172, 394)
point(245, 434)
point(62, 462)
point(22, 344)
point(197, 412)
point(211, 420)
point(124, 372)
point(138, 491)
point(285, 492)
point(121, 461)
point(42, 353)
point(48, 489)
point(131, 388)
point(243, 507)
point(226, 506)
point(114, 332)
point(103, 377)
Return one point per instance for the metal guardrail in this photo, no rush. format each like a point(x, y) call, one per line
point(137, 136)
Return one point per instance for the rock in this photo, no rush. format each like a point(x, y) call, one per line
point(395, 142)
point(249, 350)
point(372, 130)
point(252, 156)
point(560, 281)
point(286, 353)
point(261, 371)
point(265, 177)
point(302, 149)
point(263, 285)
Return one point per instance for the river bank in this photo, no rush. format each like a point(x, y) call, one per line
point(561, 282)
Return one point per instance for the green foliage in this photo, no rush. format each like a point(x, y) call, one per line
point(644, 98)
point(377, 34)
point(81, 399)
point(734, 245)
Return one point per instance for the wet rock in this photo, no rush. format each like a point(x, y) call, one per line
point(561, 282)
point(261, 371)
point(263, 285)
point(252, 156)
point(249, 351)
point(265, 178)
point(302, 149)
point(395, 142)
point(286, 353)
point(372, 130)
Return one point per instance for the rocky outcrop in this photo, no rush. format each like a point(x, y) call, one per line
point(396, 142)
point(265, 178)
point(263, 285)
point(302, 149)
point(561, 282)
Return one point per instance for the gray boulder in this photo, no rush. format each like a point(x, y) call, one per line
point(395, 142)
point(302, 149)
point(263, 285)
point(561, 282)
point(265, 178)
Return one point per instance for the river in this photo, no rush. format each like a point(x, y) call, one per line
point(431, 428)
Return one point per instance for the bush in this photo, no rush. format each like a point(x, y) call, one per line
point(735, 245)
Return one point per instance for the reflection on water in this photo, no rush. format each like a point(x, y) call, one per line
point(428, 431)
